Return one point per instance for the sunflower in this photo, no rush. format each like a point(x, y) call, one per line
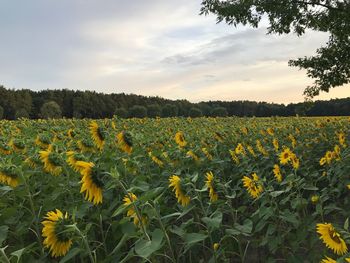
point(129, 199)
point(261, 148)
point(285, 156)
point(207, 154)
point(234, 157)
point(277, 173)
point(253, 186)
point(328, 260)
point(210, 184)
point(323, 161)
point(175, 183)
point(125, 142)
point(85, 145)
point(97, 135)
point(180, 139)
point(341, 138)
point(270, 131)
point(240, 149)
point(315, 199)
point(156, 160)
point(332, 238)
point(295, 162)
point(91, 182)
point(251, 150)
point(55, 238)
point(194, 156)
point(72, 159)
point(5, 149)
point(51, 162)
point(9, 177)
point(275, 144)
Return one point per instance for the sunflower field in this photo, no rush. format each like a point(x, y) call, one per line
point(175, 190)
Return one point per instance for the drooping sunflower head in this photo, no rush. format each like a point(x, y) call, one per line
point(129, 200)
point(277, 173)
point(253, 185)
point(175, 182)
point(240, 149)
point(98, 135)
point(8, 176)
point(275, 144)
point(85, 145)
point(51, 161)
point(56, 238)
point(73, 158)
point(210, 182)
point(180, 139)
point(125, 143)
point(328, 260)
point(91, 182)
point(331, 238)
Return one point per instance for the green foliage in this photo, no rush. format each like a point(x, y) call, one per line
point(219, 111)
point(170, 110)
point(50, 110)
point(1, 112)
point(21, 113)
point(121, 112)
point(138, 111)
point(330, 67)
point(195, 112)
point(154, 110)
point(277, 225)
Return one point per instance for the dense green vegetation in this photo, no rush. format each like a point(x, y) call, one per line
point(89, 104)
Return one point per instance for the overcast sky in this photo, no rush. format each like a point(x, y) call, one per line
point(153, 47)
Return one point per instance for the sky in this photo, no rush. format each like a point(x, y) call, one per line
point(149, 47)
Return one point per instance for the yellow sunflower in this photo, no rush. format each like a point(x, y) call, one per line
point(155, 159)
point(194, 156)
point(210, 184)
point(285, 156)
point(295, 162)
point(207, 154)
point(234, 157)
point(72, 159)
point(97, 135)
point(277, 173)
point(328, 260)
point(85, 146)
point(8, 177)
point(240, 149)
point(51, 162)
point(331, 238)
point(275, 144)
point(125, 142)
point(180, 139)
point(129, 199)
point(175, 183)
point(315, 199)
point(91, 182)
point(253, 185)
point(261, 148)
point(55, 239)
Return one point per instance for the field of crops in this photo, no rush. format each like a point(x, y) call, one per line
point(175, 190)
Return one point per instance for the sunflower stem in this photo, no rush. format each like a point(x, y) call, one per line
point(138, 214)
point(83, 237)
point(35, 217)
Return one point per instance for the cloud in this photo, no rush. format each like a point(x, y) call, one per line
point(158, 47)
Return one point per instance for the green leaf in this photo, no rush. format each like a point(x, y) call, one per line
point(145, 248)
point(3, 233)
point(276, 193)
point(71, 254)
point(193, 238)
point(18, 253)
point(214, 221)
point(346, 224)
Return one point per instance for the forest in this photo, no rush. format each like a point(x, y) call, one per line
point(65, 103)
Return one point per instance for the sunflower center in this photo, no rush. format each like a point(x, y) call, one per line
point(100, 134)
point(334, 235)
point(96, 178)
point(53, 158)
point(60, 228)
point(127, 139)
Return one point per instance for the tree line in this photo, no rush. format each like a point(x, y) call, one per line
point(26, 103)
